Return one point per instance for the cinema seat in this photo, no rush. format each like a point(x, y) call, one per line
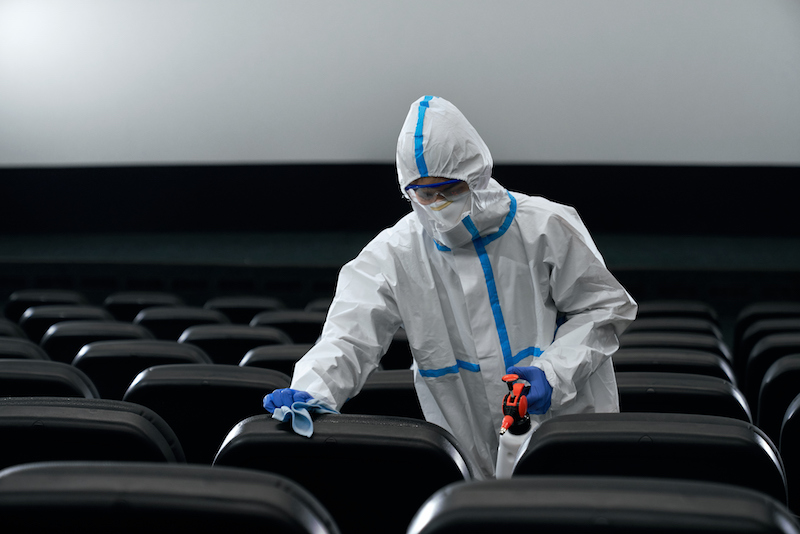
point(11, 329)
point(687, 446)
point(781, 384)
point(685, 325)
point(242, 309)
point(600, 504)
point(63, 340)
point(675, 340)
point(42, 378)
point(371, 472)
point(677, 308)
point(766, 352)
point(125, 305)
point(278, 357)
point(681, 393)
point(202, 403)
point(228, 343)
point(112, 365)
point(169, 322)
point(673, 361)
point(19, 348)
point(38, 429)
point(124, 497)
point(387, 392)
point(21, 300)
point(301, 326)
point(37, 319)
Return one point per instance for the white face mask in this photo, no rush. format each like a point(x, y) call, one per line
point(446, 214)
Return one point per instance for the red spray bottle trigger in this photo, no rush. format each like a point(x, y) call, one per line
point(515, 407)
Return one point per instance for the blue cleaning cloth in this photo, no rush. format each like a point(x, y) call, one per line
point(300, 414)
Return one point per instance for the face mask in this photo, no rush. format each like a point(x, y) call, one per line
point(446, 214)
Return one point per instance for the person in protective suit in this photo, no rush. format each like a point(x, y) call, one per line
point(485, 282)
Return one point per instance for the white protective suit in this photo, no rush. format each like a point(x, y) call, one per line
point(474, 300)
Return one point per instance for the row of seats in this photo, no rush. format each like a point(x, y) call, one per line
point(654, 378)
point(395, 474)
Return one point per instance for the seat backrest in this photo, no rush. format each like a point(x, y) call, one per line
point(21, 300)
point(558, 504)
point(203, 402)
point(228, 343)
point(242, 309)
point(11, 329)
point(789, 446)
point(677, 308)
point(126, 497)
point(387, 392)
point(681, 393)
point(278, 357)
point(19, 348)
point(63, 340)
point(675, 340)
point(301, 326)
point(781, 384)
point(759, 311)
point(697, 447)
point(125, 305)
point(112, 365)
point(673, 361)
point(360, 467)
point(37, 319)
point(169, 322)
point(38, 429)
point(44, 378)
point(758, 331)
point(686, 325)
point(766, 352)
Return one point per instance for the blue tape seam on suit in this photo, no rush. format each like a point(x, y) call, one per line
point(494, 298)
point(418, 148)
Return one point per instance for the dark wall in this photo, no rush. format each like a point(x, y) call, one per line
point(362, 197)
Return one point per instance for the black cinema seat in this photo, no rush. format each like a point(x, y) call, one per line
point(686, 325)
point(124, 497)
point(759, 311)
point(789, 446)
point(697, 447)
point(278, 357)
point(301, 326)
point(38, 429)
point(112, 365)
point(126, 305)
point(781, 384)
point(578, 504)
point(21, 348)
point(675, 340)
point(387, 392)
point(319, 305)
point(371, 472)
point(169, 322)
point(202, 403)
point(758, 331)
point(11, 329)
point(21, 300)
point(681, 393)
point(228, 343)
point(37, 319)
point(63, 340)
point(766, 352)
point(42, 378)
point(242, 309)
point(677, 308)
point(673, 361)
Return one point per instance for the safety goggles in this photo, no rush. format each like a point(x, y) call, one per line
point(449, 190)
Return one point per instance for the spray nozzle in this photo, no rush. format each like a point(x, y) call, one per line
point(515, 406)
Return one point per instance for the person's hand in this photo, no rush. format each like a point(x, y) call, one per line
point(540, 390)
point(284, 397)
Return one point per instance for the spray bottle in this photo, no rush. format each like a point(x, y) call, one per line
point(516, 429)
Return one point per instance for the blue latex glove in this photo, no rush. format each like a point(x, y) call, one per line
point(284, 397)
point(540, 390)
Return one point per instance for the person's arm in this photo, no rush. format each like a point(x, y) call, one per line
point(596, 306)
point(361, 322)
